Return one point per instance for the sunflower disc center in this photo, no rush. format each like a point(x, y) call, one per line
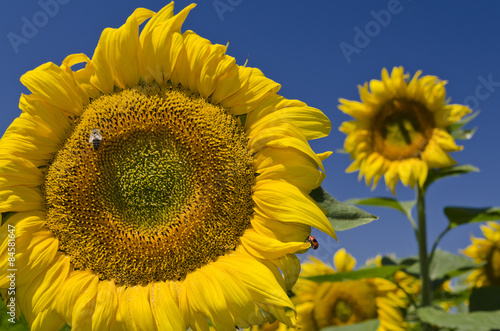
point(342, 303)
point(152, 183)
point(402, 129)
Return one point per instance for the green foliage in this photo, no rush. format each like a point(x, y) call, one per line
point(435, 174)
point(19, 325)
point(342, 216)
point(382, 272)
point(458, 215)
point(485, 299)
point(403, 206)
point(370, 325)
point(448, 265)
point(476, 321)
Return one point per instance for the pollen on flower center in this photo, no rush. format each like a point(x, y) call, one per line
point(402, 129)
point(166, 190)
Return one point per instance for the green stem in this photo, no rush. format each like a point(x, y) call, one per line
point(422, 248)
point(434, 247)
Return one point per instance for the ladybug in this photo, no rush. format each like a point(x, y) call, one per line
point(313, 242)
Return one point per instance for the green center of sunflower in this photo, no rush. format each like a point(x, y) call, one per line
point(402, 128)
point(343, 303)
point(493, 266)
point(152, 183)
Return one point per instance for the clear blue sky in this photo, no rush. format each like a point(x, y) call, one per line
point(297, 44)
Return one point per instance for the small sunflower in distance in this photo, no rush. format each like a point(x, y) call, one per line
point(320, 305)
point(161, 187)
point(400, 128)
point(485, 250)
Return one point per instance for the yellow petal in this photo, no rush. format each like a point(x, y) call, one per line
point(239, 301)
point(286, 203)
point(135, 309)
point(229, 79)
point(121, 47)
point(251, 93)
point(72, 288)
point(50, 83)
point(267, 247)
point(105, 306)
point(311, 121)
point(54, 276)
point(344, 261)
point(165, 310)
point(207, 298)
point(20, 198)
point(290, 165)
point(161, 44)
point(258, 279)
point(84, 307)
point(47, 320)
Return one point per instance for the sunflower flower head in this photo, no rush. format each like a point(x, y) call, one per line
point(399, 129)
point(487, 252)
point(161, 187)
point(320, 305)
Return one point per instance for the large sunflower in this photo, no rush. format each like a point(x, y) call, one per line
point(486, 250)
point(162, 186)
point(320, 305)
point(400, 128)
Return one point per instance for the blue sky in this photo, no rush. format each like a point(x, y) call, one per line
point(299, 46)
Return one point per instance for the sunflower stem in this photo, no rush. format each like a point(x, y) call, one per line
point(422, 250)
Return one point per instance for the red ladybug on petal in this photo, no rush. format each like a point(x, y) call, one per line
point(313, 242)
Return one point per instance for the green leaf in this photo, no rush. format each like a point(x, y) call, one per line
point(342, 216)
point(381, 272)
point(476, 321)
point(435, 174)
point(485, 299)
point(403, 206)
point(370, 325)
point(458, 215)
point(446, 264)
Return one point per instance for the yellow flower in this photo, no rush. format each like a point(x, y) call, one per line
point(485, 250)
point(162, 186)
point(343, 303)
point(400, 128)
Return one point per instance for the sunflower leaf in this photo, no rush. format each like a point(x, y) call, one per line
point(435, 174)
point(403, 206)
point(485, 299)
point(446, 264)
point(459, 215)
point(370, 325)
point(342, 216)
point(476, 321)
point(379, 272)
